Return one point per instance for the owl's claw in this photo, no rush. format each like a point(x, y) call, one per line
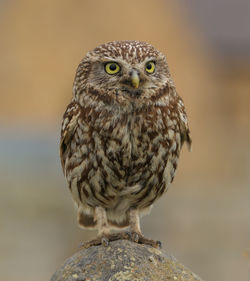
point(135, 237)
point(158, 244)
point(102, 240)
point(105, 241)
point(140, 239)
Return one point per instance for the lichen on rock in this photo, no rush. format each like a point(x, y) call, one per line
point(123, 260)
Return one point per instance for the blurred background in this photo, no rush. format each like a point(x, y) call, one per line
point(204, 218)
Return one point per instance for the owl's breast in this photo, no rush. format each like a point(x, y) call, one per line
point(119, 143)
point(135, 148)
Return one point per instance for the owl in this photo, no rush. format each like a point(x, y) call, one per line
point(121, 137)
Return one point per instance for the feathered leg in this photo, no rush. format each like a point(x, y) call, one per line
point(100, 217)
point(134, 221)
point(102, 222)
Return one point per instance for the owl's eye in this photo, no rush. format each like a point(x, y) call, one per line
point(150, 67)
point(112, 68)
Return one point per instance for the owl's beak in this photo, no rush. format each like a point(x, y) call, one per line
point(135, 79)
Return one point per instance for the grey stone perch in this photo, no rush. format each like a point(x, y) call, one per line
point(123, 260)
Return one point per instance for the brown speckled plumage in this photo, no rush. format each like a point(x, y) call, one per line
point(120, 144)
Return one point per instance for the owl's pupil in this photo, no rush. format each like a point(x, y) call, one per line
point(149, 66)
point(112, 67)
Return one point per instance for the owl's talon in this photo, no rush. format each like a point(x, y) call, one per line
point(135, 237)
point(158, 244)
point(150, 242)
point(127, 235)
point(105, 241)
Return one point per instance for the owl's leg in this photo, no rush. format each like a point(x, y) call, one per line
point(104, 236)
point(136, 234)
point(102, 222)
point(100, 217)
point(134, 221)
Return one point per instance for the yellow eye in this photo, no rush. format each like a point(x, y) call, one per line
point(150, 67)
point(112, 68)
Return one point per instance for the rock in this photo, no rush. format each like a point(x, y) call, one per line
point(123, 260)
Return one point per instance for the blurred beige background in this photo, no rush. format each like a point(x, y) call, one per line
point(204, 218)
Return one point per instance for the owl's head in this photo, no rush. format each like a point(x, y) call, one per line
point(122, 72)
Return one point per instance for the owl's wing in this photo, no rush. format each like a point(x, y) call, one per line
point(69, 126)
point(184, 128)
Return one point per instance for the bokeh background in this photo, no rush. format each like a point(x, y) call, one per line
point(204, 219)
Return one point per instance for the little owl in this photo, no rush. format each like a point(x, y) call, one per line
point(121, 137)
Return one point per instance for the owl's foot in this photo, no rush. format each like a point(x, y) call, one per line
point(95, 242)
point(131, 236)
point(105, 239)
point(140, 239)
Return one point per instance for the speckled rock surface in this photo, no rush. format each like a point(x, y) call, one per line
point(122, 260)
